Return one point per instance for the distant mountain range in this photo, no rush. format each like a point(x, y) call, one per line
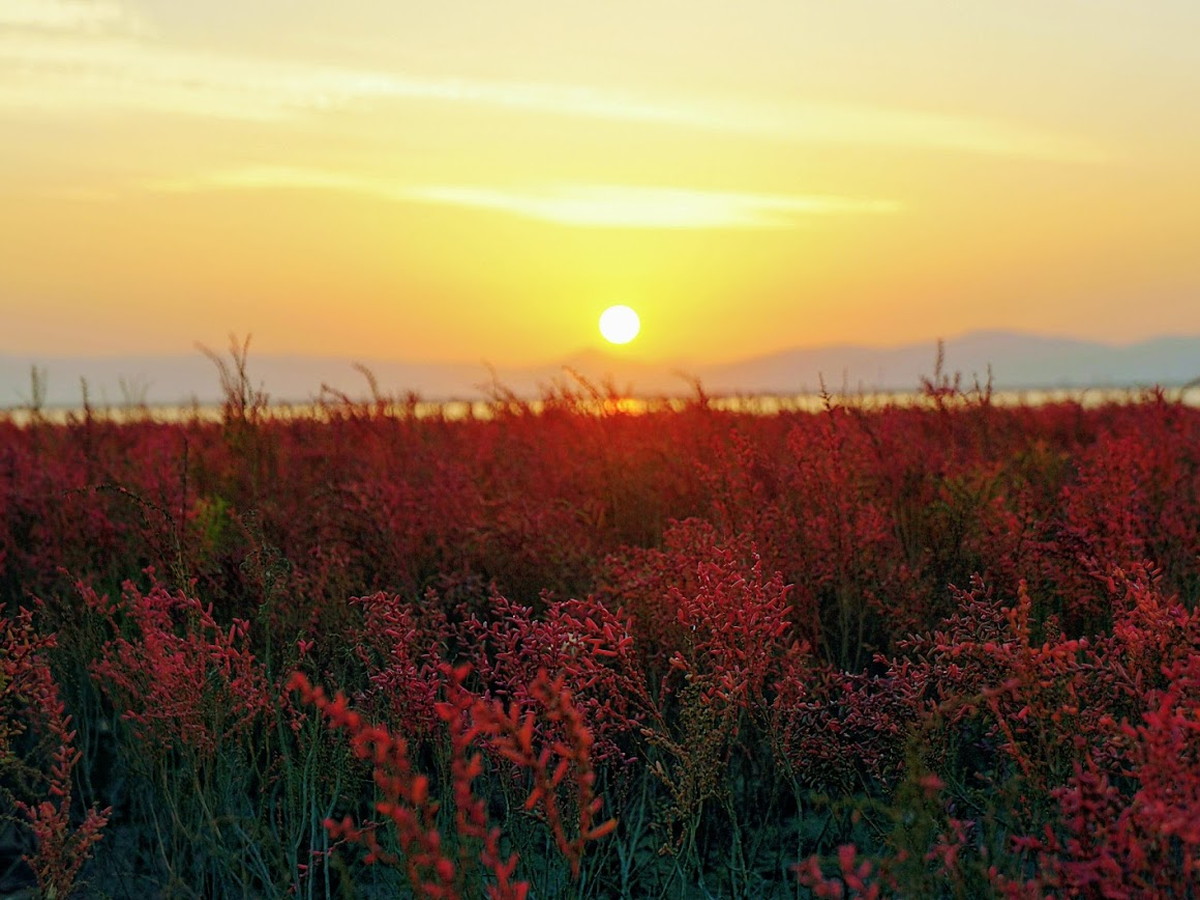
point(1016, 361)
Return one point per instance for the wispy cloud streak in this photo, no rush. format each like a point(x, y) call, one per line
point(64, 57)
point(621, 206)
point(280, 177)
point(590, 205)
point(69, 15)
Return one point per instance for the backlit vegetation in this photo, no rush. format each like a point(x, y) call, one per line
point(948, 649)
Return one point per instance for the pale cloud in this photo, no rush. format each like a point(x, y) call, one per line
point(70, 58)
point(621, 206)
point(589, 205)
point(69, 15)
point(852, 124)
point(281, 178)
point(73, 75)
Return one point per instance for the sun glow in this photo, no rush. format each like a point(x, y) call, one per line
point(619, 324)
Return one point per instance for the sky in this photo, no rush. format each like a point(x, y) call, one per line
point(464, 181)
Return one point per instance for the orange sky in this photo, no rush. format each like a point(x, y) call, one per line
point(466, 181)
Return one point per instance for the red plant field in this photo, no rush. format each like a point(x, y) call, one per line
point(947, 649)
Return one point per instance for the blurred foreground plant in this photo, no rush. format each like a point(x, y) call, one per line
point(438, 867)
point(29, 694)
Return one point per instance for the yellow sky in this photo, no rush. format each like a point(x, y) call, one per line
point(466, 181)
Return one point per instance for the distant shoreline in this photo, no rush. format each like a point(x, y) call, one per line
point(460, 409)
point(1008, 361)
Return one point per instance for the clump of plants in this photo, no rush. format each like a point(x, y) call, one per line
point(942, 649)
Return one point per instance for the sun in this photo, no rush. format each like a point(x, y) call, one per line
point(619, 324)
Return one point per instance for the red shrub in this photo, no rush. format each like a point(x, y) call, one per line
point(177, 676)
point(30, 706)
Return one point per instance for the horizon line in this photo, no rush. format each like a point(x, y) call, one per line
point(623, 353)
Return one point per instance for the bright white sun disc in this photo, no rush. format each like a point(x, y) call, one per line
point(619, 324)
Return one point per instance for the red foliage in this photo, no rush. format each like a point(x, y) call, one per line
point(434, 868)
point(710, 614)
point(29, 697)
point(178, 676)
